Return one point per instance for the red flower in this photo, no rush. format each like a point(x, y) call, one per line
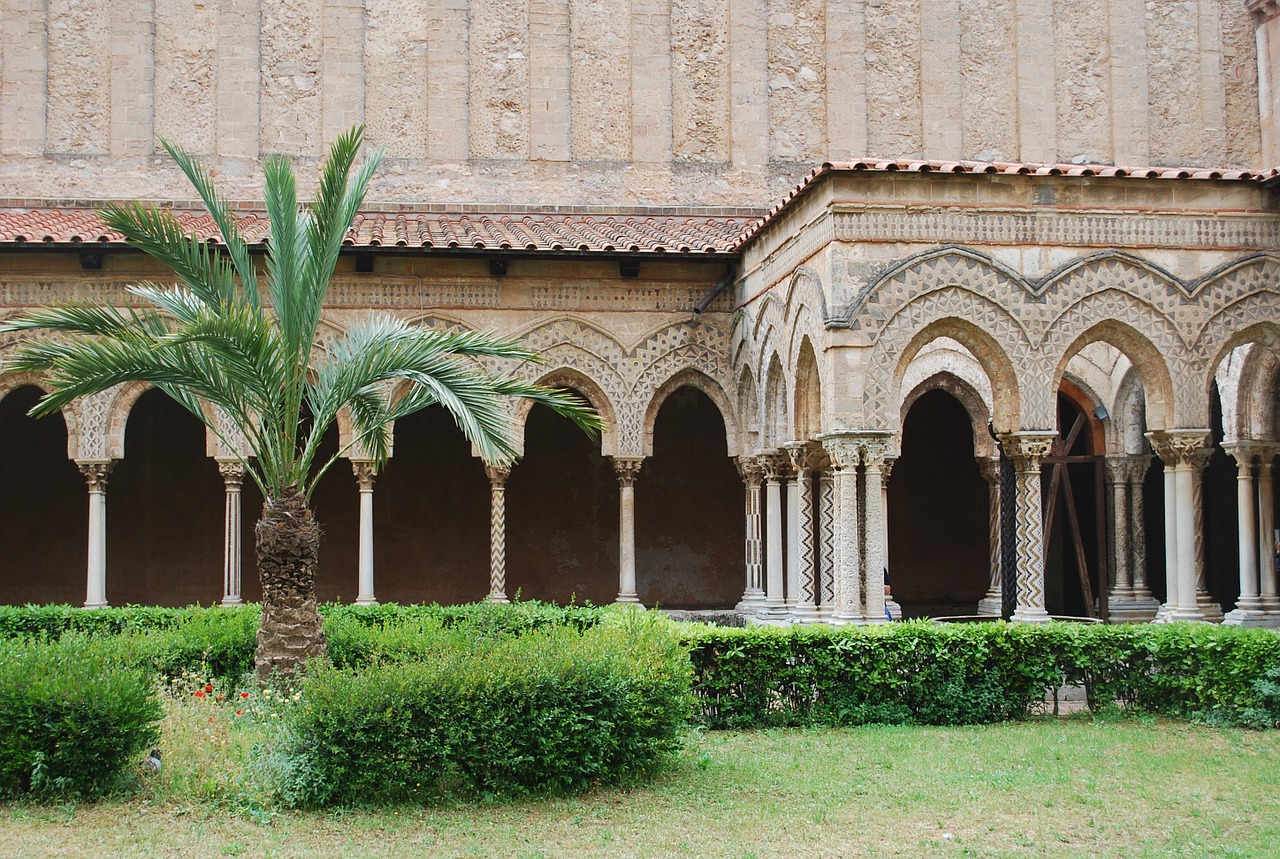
point(199, 693)
point(244, 694)
point(239, 712)
point(208, 688)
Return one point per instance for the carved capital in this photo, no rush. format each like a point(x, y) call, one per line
point(776, 465)
point(751, 470)
point(1262, 10)
point(232, 471)
point(989, 468)
point(888, 469)
point(1139, 465)
point(627, 468)
point(498, 475)
point(1176, 447)
point(875, 448)
point(1118, 469)
point(806, 456)
point(1242, 452)
point(365, 473)
point(844, 449)
point(1028, 449)
point(96, 473)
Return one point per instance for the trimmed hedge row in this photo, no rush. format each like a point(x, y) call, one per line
point(943, 674)
point(73, 718)
point(555, 710)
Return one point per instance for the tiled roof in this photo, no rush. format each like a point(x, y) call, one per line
point(641, 232)
point(999, 167)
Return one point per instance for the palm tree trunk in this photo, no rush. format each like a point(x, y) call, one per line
point(288, 545)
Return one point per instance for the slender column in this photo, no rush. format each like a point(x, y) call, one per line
point(1117, 470)
point(895, 610)
point(806, 457)
point(752, 473)
point(826, 551)
point(873, 454)
point(846, 453)
point(1028, 450)
point(498, 475)
point(1180, 448)
point(1130, 600)
point(1267, 537)
point(1199, 462)
point(365, 473)
point(1248, 610)
point(232, 471)
point(775, 469)
point(627, 469)
point(95, 475)
point(992, 603)
point(1139, 465)
point(793, 543)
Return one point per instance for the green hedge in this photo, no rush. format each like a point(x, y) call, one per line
point(73, 718)
point(941, 674)
point(555, 710)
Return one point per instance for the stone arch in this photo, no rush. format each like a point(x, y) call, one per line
point(1249, 394)
point(805, 289)
point(1237, 326)
point(591, 391)
point(1109, 269)
point(748, 411)
point(776, 422)
point(807, 408)
point(938, 356)
point(771, 315)
point(932, 317)
point(13, 381)
point(696, 379)
point(1147, 360)
point(968, 396)
point(1129, 415)
point(122, 402)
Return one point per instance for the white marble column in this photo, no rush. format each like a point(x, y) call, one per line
point(1248, 610)
point(627, 469)
point(992, 602)
point(1267, 536)
point(1178, 448)
point(1028, 450)
point(753, 596)
point(775, 472)
point(806, 457)
point(232, 471)
point(95, 475)
point(1199, 462)
point(895, 610)
point(824, 554)
point(793, 543)
point(874, 449)
point(846, 453)
point(498, 475)
point(365, 473)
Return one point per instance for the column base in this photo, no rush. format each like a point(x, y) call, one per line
point(1211, 610)
point(1030, 615)
point(751, 603)
point(231, 602)
point(774, 610)
point(97, 605)
point(1249, 617)
point(869, 620)
point(366, 601)
point(1131, 606)
point(1186, 614)
point(806, 614)
point(628, 599)
point(497, 599)
point(991, 605)
point(840, 618)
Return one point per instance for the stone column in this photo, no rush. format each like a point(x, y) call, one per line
point(895, 610)
point(1028, 450)
point(1179, 448)
point(752, 473)
point(1248, 610)
point(365, 473)
point(498, 475)
point(1199, 462)
point(1130, 600)
point(846, 453)
point(874, 449)
point(992, 603)
point(95, 474)
point(627, 469)
point(793, 543)
point(775, 471)
point(806, 457)
point(825, 552)
point(1266, 536)
point(232, 471)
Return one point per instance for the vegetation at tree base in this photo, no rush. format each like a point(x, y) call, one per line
point(216, 344)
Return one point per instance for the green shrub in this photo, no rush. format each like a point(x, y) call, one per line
point(73, 718)
point(555, 710)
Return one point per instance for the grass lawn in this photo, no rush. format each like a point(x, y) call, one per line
point(1041, 788)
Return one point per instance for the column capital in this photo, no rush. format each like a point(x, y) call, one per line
point(1139, 465)
point(1176, 447)
point(96, 472)
point(1242, 451)
point(1262, 10)
point(1029, 447)
point(849, 448)
point(498, 474)
point(232, 470)
point(888, 469)
point(989, 468)
point(776, 464)
point(1118, 468)
point(627, 468)
point(750, 468)
point(806, 455)
point(365, 472)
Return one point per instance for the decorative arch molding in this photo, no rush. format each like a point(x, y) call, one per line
point(805, 289)
point(1238, 278)
point(771, 315)
point(777, 426)
point(1129, 415)
point(748, 410)
point(982, 327)
point(123, 399)
point(960, 365)
point(13, 381)
point(1255, 397)
point(591, 391)
point(974, 405)
point(1098, 271)
point(807, 411)
point(1236, 326)
point(694, 378)
point(1147, 357)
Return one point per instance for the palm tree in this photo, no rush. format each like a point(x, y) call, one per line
point(215, 340)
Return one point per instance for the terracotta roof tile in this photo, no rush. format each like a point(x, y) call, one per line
point(476, 231)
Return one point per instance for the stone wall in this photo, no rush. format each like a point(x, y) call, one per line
point(613, 101)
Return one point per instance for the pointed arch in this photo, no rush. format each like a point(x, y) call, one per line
point(703, 382)
point(748, 411)
point(578, 381)
point(1147, 360)
point(975, 405)
point(807, 408)
point(776, 413)
point(13, 381)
